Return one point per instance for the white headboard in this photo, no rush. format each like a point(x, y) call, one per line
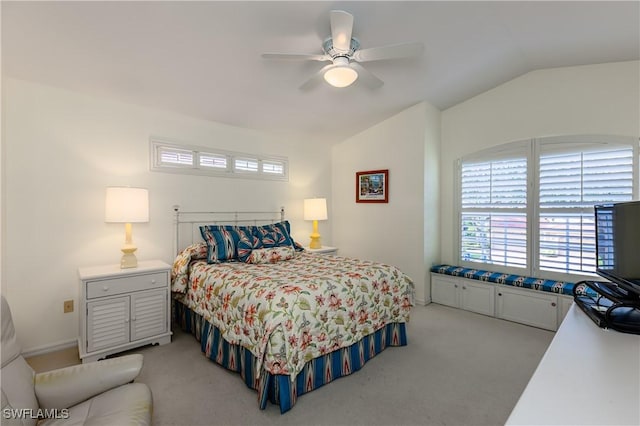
point(187, 223)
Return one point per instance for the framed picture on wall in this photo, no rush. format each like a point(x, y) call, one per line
point(372, 186)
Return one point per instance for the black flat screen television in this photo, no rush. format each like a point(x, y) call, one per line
point(618, 244)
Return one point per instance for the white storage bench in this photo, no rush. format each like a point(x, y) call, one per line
point(527, 300)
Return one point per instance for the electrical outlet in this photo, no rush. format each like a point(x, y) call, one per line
point(68, 306)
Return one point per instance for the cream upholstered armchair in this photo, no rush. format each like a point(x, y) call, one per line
point(97, 393)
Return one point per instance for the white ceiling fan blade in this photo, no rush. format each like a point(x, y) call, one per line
point(366, 77)
point(317, 78)
point(341, 28)
point(404, 50)
point(296, 56)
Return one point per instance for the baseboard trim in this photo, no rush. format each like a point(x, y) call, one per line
point(41, 350)
point(423, 302)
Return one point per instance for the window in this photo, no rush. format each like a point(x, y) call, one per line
point(171, 157)
point(273, 167)
point(246, 165)
point(572, 179)
point(493, 213)
point(214, 161)
point(550, 228)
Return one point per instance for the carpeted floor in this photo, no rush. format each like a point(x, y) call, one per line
point(458, 369)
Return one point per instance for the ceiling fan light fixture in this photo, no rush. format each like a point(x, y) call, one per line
point(341, 75)
point(344, 51)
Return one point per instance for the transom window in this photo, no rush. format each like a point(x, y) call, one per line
point(174, 158)
point(527, 207)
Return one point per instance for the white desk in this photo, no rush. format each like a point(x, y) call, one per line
point(588, 376)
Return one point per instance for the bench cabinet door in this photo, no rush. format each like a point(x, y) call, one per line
point(527, 307)
point(477, 297)
point(444, 291)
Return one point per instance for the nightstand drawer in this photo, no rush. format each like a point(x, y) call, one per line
point(112, 286)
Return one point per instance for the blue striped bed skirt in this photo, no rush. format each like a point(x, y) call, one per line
point(277, 388)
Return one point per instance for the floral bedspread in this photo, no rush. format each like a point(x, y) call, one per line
point(292, 311)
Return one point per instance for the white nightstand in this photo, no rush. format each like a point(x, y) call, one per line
point(121, 309)
point(323, 250)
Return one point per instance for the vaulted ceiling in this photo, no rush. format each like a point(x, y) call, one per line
point(203, 59)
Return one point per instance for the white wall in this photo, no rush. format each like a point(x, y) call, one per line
point(63, 148)
point(393, 232)
point(590, 99)
point(432, 153)
point(3, 286)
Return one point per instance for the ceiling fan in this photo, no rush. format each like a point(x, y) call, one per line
point(345, 55)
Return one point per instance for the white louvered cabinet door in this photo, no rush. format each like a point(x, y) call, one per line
point(107, 323)
point(148, 314)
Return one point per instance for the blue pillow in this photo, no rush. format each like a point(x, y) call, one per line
point(247, 243)
point(222, 241)
point(287, 227)
point(274, 235)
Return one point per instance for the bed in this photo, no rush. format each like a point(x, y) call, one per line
point(287, 320)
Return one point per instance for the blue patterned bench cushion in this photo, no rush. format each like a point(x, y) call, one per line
point(551, 286)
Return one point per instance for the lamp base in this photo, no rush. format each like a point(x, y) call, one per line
point(315, 241)
point(128, 259)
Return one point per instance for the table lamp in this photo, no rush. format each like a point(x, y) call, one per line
point(127, 205)
point(315, 209)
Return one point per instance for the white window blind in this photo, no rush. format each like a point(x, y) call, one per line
point(246, 164)
point(174, 157)
point(215, 161)
point(273, 167)
point(493, 212)
point(549, 230)
point(570, 183)
point(170, 157)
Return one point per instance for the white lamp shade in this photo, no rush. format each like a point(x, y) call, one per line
point(126, 205)
point(315, 209)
